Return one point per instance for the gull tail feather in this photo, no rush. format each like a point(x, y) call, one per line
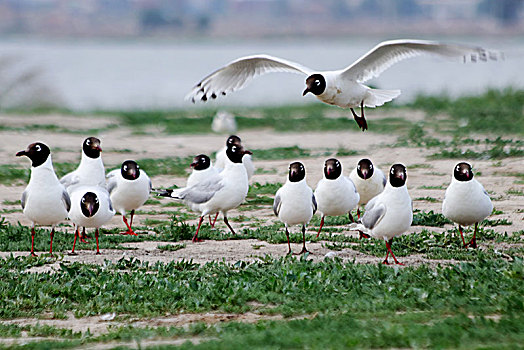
point(377, 97)
point(168, 193)
point(358, 227)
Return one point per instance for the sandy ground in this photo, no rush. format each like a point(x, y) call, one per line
point(421, 172)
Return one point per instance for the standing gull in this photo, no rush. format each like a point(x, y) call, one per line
point(295, 202)
point(369, 181)
point(466, 202)
point(335, 193)
point(90, 207)
point(44, 201)
point(343, 88)
point(390, 213)
point(218, 193)
point(129, 188)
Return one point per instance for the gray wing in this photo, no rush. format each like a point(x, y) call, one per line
point(276, 204)
point(235, 75)
point(111, 182)
point(66, 200)
point(373, 216)
point(387, 53)
point(200, 192)
point(314, 203)
point(23, 199)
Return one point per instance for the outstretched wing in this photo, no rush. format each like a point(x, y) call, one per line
point(387, 53)
point(238, 73)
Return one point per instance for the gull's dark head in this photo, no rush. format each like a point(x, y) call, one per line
point(398, 175)
point(235, 153)
point(297, 172)
point(316, 84)
point(463, 172)
point(37, 152)
point(91, 147)
point(130, 170)
point(365, 169)
point(89, 204)
point(201, 162)
point(332, 169)
point(233, 140)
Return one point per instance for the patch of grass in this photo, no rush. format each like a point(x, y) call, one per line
point(279, 153)
point(515, 192)
point(171, 247)
point(427, 199)
point(422, 218)
point(492, 112)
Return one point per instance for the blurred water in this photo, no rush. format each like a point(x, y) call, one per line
point(127, 75)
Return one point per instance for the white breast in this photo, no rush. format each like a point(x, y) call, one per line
point(296, 203)
point(367, 189)
point(466, 202)
point(102, 216)
point(399, 213)
point(336, 197)
point(130, 194)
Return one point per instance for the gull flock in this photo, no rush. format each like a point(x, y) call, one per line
point(89, 198)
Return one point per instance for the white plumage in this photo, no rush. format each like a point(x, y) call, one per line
point(369, 187)
point(45, 200)
point(222, 160)
point(335, 196)
point(103, 214)
point(466, 202)
point(390, 213)
point(294, 202)
point(91, 169)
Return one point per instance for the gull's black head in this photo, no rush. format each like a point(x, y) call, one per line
point(89, 204)
point(37, 152)
point(201, 162)
point(397, 175)
point(130, 170)
point(316, 84)
point(235, 153)
point(233, 140)
point(91, 147)
point(365, 168)
point(297, 172)
point(332, 169)
point(463, 172)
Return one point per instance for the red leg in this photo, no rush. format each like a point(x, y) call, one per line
point(74, 242)
point(129, 229)
point(321, 224)
point(51, 246)
point(462, 235)
point(362, 235)
point(228, 225)
point(195, 237)
point(473, 242)
point(388, 245)
point(83, 236)
point(351, 219)
point(96, 237)
point(385, 262)
point(358, 213)
point(214, 221)
point(361, 121)
point(288, 243)
point(33, 241)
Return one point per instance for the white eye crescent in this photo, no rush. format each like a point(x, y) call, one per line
point(38, 148)
point(125, 167)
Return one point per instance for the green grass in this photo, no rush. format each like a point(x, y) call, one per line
point(492, 112)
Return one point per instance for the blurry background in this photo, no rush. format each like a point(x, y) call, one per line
point(147, 54)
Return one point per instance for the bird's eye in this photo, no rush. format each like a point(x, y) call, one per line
point(88, 142)
point(38, 148)
point(370, 166)
point(125, 167)
point(96, 200)
point(83, 200)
